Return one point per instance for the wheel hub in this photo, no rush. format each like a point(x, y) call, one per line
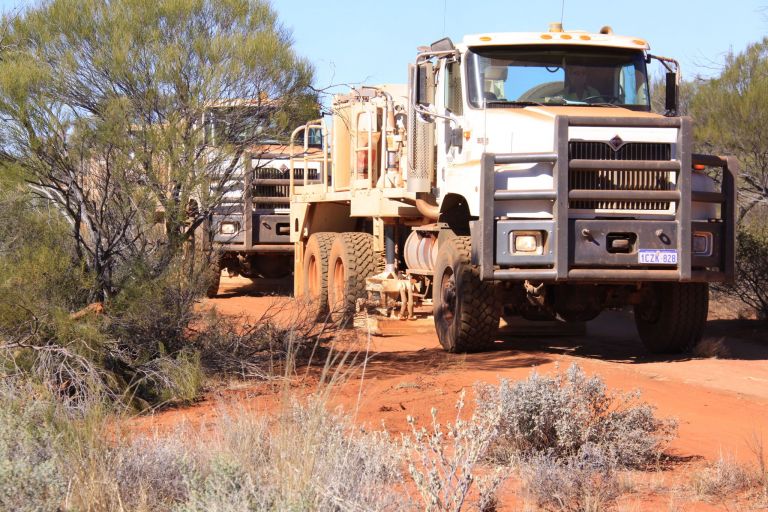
point(448, 295)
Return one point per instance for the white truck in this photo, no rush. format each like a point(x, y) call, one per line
point(516, 174)
point(248, 226)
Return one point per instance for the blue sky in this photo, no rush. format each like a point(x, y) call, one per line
point(368, 41)
point(354, 41)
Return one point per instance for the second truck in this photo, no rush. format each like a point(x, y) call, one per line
point(515, 174)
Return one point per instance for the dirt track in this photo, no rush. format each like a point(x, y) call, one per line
point(721, 404)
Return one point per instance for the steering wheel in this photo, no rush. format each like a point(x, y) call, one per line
point(609, 98)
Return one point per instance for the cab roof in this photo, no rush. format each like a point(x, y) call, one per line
point(572, 37)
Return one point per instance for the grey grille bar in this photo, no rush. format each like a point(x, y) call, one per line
point(621, 165)
point(625, 195)
point(517, 195)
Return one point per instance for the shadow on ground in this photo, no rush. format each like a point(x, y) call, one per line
point(612, 336)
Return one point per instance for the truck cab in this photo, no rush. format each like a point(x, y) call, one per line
point(249, 223)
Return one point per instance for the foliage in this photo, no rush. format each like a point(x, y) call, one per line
point(583, 482)
point(751, 283)
point(730, 118)
point(30, 468)
point(442, 461)
point(308, 460)
point(562, 415)
point(103, 105)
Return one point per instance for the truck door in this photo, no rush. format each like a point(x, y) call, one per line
point(449, 101)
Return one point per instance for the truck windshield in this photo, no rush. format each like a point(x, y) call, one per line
point(501, 76)
point(237, 125)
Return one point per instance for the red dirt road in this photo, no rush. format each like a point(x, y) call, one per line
point(720, 404)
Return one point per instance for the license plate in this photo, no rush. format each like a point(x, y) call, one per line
point(657, 256)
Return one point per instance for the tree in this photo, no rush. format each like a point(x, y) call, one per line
point(731, 118)
point(103, 105)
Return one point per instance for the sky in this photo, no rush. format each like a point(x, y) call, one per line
point(365, 41)
point(373, 42)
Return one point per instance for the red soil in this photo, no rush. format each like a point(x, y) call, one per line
point(720, 404)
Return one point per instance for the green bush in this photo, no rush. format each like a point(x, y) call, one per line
point(31, 476)
point(751, 282)
point(563, 415)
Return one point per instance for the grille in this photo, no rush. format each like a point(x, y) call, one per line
point(629, 151)
point(620, 179)
point(271, 196)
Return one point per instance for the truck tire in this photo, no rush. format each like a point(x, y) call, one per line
point(671, 316)
point(214, 280)
point(352, 260)
point(466, 309)
point(315, 272)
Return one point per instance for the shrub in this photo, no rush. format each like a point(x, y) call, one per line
point(751, 283)
point(31, 476)
point(559, 416)
point(444, 474)
point(583, 482)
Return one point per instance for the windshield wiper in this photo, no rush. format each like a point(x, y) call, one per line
point(511, 103)
point(559, 100)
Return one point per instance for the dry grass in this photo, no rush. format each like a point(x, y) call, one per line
point(726, 478)
point(442, 460)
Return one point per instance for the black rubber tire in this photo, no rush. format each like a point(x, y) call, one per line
point(315, 272)
point(351, 261)
point(466, 309)
point(214, 280)
point(671, 316)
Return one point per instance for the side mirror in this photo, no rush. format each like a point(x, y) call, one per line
point(425, 84)
point(672, 94)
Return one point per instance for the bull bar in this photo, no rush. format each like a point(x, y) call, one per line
point(558, 266)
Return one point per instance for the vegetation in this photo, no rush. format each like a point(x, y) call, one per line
point(302, 458)
point(103, 136)
point(103, 105)
point(570, 436)
point(103, 193)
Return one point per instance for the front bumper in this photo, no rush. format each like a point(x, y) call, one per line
point(579, 249)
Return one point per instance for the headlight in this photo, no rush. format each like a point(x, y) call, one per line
point(702, 243)
point(229, 228)
point(527, 242)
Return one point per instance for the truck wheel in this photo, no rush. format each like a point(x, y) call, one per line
point(466, 309)
point(351, 261)
point(214, 280)
point(671, 316)
point(315, 278)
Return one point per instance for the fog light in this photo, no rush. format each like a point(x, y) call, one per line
point(527, 242)
point(702, 243)
point(228, 228)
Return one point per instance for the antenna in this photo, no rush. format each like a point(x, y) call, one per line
point(445, 11)
point(562, 11)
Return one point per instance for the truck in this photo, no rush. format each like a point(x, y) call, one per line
point(247, 231)
point(515, 174)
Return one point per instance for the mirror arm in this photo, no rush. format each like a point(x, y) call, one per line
point(666, 61)
point(426, 112)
